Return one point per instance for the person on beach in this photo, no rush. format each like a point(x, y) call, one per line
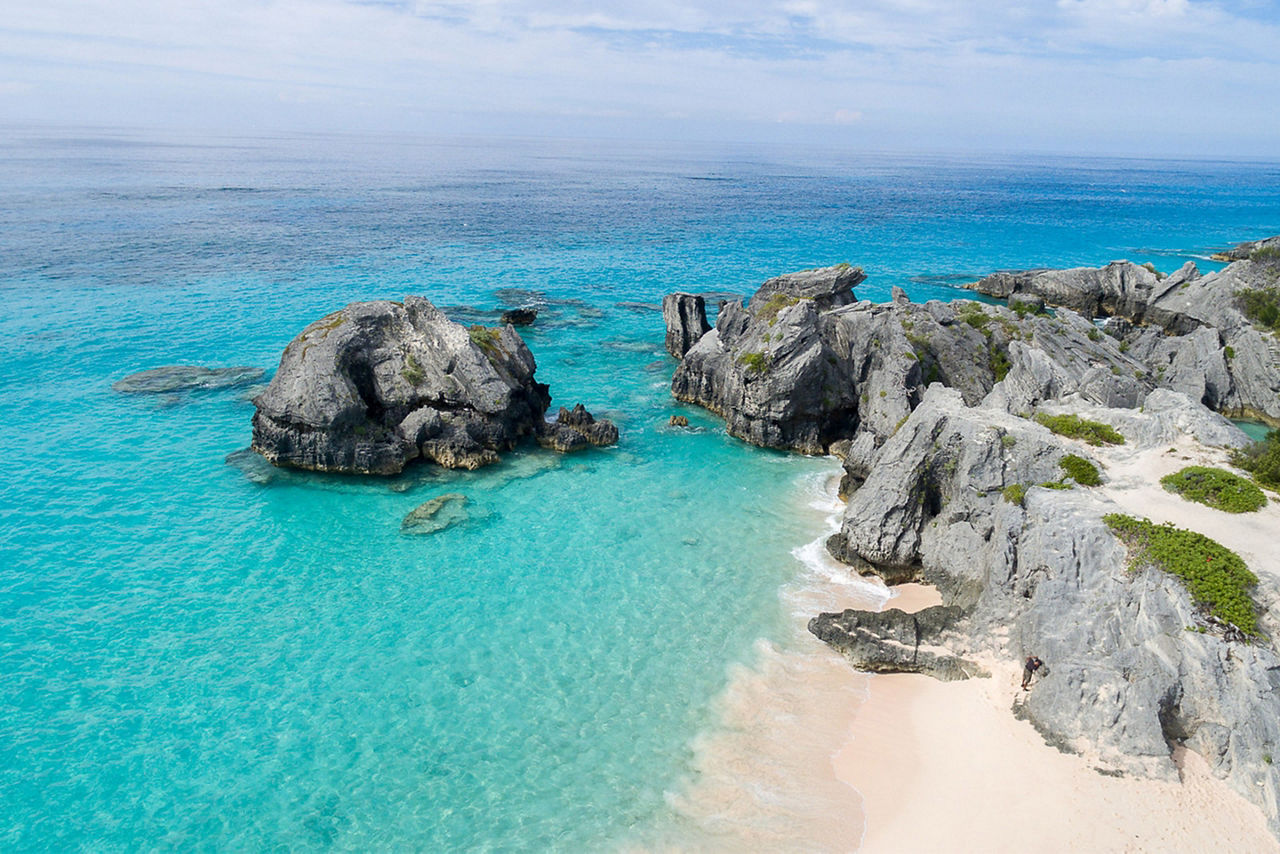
point(1029, 667)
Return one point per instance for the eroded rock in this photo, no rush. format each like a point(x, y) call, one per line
point(177, 378)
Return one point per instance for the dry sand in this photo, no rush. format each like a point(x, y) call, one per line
point(946, 767)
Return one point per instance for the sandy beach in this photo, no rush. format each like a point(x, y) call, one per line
point(947, 766)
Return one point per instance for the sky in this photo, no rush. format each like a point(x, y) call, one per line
point(1186, 77)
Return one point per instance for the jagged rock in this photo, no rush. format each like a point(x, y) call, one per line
point(575, 429)
point(433, 516)
point(825, 287)
point(896, 642)
point(1244, 251)
point(678, 421)
point(784, 373)
point(1046, 576)
point(519, 316)
point(175, 378)
point(376, 384)
point(686, 318)
point(1118, 288)
point(1026, 302)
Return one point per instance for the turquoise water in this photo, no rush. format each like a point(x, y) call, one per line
point(194, 659)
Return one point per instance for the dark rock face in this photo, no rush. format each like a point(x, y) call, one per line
point(678, 421)
point(1245, 251)
point(686, 318)
point(785, 373)
point(896, 642)
point(574, 429)
point(519, 316)
point(376, 384)
point(433, 516)
point(176, 378)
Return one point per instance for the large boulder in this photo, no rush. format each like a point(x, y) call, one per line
point(1118, 288)
point(376, 384)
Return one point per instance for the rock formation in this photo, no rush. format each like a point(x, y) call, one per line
point(686, 319)
point(374, 385)
point(576, 428)
point(949, 481)
point(436, 515)
point(519, 316)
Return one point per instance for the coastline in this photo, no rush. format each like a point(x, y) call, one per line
point(954, 754)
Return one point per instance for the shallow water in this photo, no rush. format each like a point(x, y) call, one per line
point(194, 658)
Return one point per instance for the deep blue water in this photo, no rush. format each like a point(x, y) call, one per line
point(193, 659)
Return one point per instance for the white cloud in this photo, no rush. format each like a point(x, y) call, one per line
point(893, 68)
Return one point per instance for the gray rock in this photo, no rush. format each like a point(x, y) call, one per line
point(896, 642)
point(436, 515)
point(1027, 302)
point(686, 318)
point(575, 429)
point(376, 384)
point(1245, 251)
point(1119, 288)
point(826, 287)
point(1125, 679)
point(177, 378)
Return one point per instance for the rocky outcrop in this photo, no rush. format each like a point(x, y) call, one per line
point(1118, 288)
point(574, 429)
point(1040, 572)
point(1192, 333)
point(896, 642)
point(686, 318)
point(785, 372)
point(374, 385)
point(1245, 251)
point(177, 378)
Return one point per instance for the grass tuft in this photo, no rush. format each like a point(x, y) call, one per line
point(1075, 427)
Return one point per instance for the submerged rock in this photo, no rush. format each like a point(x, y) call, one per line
point(175, 378)
point(376, 384)
point(433, 516)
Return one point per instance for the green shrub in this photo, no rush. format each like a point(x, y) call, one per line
point(412, 371)
point(1217, 488)
point(1229, 351)
point(1152, 268)
point(999, 363)
point(1080, 470)
point(1262, 306)
point(1265, 253)
point(1261, 459)
point(973, 314)
point(1095, 335)
point(1216, 577)
point(757, 363)
point(1014, 493)
point(1056, 484)
point(1008, 441)
point(1075, 427)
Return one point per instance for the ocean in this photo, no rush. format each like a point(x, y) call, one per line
point(203, 654)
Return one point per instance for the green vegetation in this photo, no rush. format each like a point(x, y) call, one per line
point(1075, 427)
point(412, 371)
point(1216, 577)
point(1056, 484)
point(999, 363)
point(1265, 253)
point(1008, 441)
point(757, 363)
point(1080, 470)
point(1262, 306)
point(1261, 459)
point(1014, 493)
point(775, 304)
point(973, 314)
point(486, 338)
point(1095, 335)
point(1229, 351)
point(1217, 488)
point(1152, 268)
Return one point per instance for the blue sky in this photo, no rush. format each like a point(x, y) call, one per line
point(1124, 76)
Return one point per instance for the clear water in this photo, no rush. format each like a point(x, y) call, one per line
point(192, 659)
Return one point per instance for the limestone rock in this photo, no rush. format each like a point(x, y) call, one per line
point(575, 429)
point(1119, 288)
point(376, 384)
point(826, 287)
point(686, 318)
point(896, 642)
point(1244, 251)
point(177, 378)
point(678, 421)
